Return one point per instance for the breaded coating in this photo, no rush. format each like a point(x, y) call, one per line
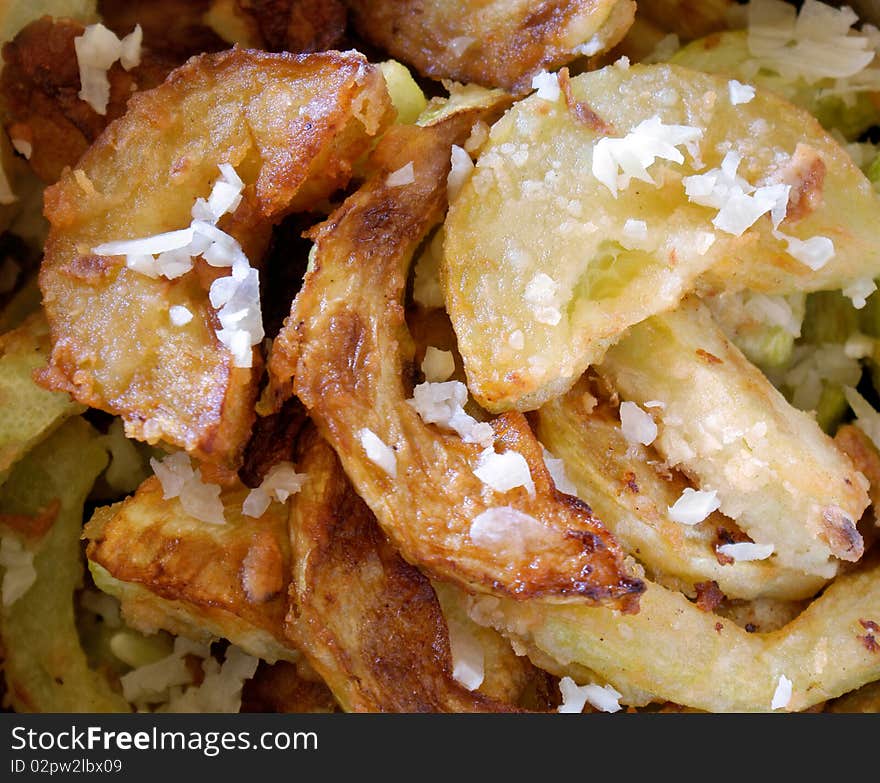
point(343, 351)
point(292, 125)
point(177, 573)
point(368, 621)
point(298, 25)
point(500, 43)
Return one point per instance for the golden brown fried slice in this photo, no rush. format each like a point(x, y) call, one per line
point(369, 623)
point(625, 485)
point(345, 347)
point(541, 268)
point(499, 43)
point(291, 125)
point(40, 85)
point(865, 700)
point(193, 578)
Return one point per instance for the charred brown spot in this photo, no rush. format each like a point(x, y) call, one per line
point(841, 534)
point(580, 110)
point(806, 175)
point(90, 268)
point(870, 643)
point(629, 482)
point(719, 627)
point(709, 358)
point(709, 596)
point(750, 627)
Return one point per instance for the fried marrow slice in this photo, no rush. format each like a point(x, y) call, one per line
point(501, 43)
point(630, 487)
point(700, 660)
point(541, 268)
point(204, 581)
point(283, 688)
point(44, 664)
point(727, 427)
point(345, 348)
point(28, 413)
point(369, 622)
point(291, 125)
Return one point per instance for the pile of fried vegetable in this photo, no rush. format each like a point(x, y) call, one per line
point(428, 357)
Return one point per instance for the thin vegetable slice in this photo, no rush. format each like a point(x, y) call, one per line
point(292, 127)
point(552, 251)
point(625, 484)
point(502, 43)
point(44, 664)
point(204, 581)
point(726, 426)
point(697, 659)
point(344, 350)
point(28, 413)
point(369, 622)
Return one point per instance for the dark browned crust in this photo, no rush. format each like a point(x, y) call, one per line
point(805, 173)
point(113, 347)
point(175, 30)
point(368, 622)
point(509, 40)
point(281, 688)
point(298, 25)
point(580, 110)
point(709, 596)
point(39, 88)
point(206, 567)
point(344, 350)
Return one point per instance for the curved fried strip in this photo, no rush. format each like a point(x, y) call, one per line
point(201, 580)
point(346, 344)
point(44, 664)
point(291, 125)
point(545, 267)
point(369, 623)
point(501, 43)
point(624, 487)
point(695, 658)
point(40, 83)
point(729, 429)
point(28, 413)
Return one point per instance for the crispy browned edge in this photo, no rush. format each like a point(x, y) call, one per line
point(367, 621)
point(345, 351)
point(222, 417)
point(506, 54)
